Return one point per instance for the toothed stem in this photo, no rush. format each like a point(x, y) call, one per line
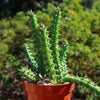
point(54, 41)
point(28, 73)
point(64, 51)
point(63, 55)
point(34, 20)
point(38, 45)
point(31, 58)
point(82, 80)
point(51, 72)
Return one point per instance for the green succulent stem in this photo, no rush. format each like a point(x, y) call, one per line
point(54, 41)
point(34, 20)
point(38, 45)
point(83, 81)
point(31, 58)
point(51, 66)
point(28, 73)
point(63, 55)
point(64, 51)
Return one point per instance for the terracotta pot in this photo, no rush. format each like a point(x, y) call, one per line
point(48, 92)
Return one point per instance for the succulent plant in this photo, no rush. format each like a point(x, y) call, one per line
point(50, 61)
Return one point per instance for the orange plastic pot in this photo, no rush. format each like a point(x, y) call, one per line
point(48, 92)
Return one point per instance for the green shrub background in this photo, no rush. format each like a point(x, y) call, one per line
point(79, 26)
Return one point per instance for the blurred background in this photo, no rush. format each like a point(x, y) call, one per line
point(79, 25)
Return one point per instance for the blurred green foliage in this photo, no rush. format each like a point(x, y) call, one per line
point(79, 26)
point(11, 7)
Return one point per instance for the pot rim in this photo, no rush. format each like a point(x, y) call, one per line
point(50, 85)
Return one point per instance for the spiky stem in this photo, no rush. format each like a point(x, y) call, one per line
point(82, 80)
point(54, 41)
point(38, 45)
point(64, 51)
point(34, 20)
point(42, 49)
point(28, 73)
point(51, 72)
point(31, 58)
point(63, 55)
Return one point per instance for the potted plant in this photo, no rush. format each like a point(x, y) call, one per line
point(48, 77)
